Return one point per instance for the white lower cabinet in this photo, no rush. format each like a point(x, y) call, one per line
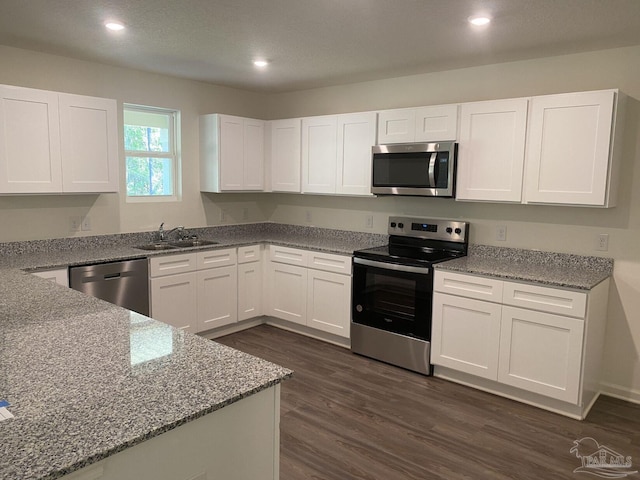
point(310, 288)
point(528, 342)
point(173, 300)
point(250, 274)
point(541, 353)
point(217, 297)
point(288, 292)
point(466, 335)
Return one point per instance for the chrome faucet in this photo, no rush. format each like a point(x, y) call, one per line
point(163, 234)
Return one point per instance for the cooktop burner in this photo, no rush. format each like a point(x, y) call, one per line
point(420, 242)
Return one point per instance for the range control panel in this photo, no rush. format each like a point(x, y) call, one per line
point(449, 230)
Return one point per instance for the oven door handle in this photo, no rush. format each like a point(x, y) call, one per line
point(392, 266)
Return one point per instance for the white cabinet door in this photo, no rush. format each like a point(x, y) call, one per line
point(356, 136)
point(231, 153)
point(438, 123)
point(465, 335)
point(396, 126)
point(288, 292)
point(217, 297)
point(285, 155)
point(249, 290)
point(568, 149)
point(231, 144)
point(253, 168)
point(319, 144)
point(30, 156)
point(491, 150)
point(89, 143)
point(329, 302)
point(541, 353)
point(173, 300)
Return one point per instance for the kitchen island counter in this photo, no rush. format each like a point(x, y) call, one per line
point(85, 379)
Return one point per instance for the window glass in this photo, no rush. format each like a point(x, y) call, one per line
point(150, 139)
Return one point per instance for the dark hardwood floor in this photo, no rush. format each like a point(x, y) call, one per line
point(348, 417)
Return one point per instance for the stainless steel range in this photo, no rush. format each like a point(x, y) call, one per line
point(393, 288)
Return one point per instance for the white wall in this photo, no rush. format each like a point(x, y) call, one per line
point(47, 216)
point(561, 229)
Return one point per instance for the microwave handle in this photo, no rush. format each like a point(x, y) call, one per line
point(432, 170)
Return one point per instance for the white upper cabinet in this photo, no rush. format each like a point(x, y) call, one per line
point(491, 150)
point(231, 153)
point(569, 149)
point(89, 144)
point(319, 147)
point(425, 124)
point(336, 153)
point(285, 155)
point(57, 143)
point(30, 157)
point(356, 136)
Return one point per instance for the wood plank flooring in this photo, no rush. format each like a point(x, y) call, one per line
point(344, 417)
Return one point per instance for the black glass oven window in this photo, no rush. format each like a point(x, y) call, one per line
point(390, 295)
point(409, 170)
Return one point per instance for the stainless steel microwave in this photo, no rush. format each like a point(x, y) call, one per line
point(421, 169)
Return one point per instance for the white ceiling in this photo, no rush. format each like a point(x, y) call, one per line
point(314, 43)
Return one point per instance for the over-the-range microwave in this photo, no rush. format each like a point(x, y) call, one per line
point(422, 169)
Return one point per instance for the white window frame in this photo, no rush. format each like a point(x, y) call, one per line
point(174, 154)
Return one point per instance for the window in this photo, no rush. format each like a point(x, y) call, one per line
point(151, 144)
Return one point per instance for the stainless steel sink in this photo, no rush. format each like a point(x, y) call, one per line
point(156, 246)
point(192, 243)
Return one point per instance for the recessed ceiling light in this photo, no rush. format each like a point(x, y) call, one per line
point(479, 20)
point(260, 63)
point(114, 26)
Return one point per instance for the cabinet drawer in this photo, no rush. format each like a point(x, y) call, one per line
point(545, 299)
point(171, 264)
point(250, 253)
point(329, 262)
point(470, 286)
point(292, 256)
point(216, 258)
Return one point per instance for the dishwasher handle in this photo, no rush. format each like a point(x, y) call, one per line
point(109, 276)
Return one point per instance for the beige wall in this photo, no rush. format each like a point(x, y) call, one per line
point(562, 229)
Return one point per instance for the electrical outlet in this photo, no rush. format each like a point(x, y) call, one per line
point(307, 216)
point(223, 215)
point(245, 213)
point(501, 233)
point(74, 223)
point(602, 242)
point(86, 224)
point(369, 221)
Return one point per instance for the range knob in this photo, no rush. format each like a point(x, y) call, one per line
point(449, 230)
point(393, 224)
point(401, 225)
point(458, 231)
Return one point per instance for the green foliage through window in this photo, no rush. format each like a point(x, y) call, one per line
point(149, 139)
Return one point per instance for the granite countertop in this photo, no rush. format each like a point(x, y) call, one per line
point(86, 379)
point(545, 268)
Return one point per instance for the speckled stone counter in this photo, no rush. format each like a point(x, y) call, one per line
point(546, 268)
point(46, 254)
point(86, 379)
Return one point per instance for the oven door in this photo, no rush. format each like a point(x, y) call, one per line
point(392, 297)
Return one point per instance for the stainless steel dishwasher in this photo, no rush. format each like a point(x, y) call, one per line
point(123, 283)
